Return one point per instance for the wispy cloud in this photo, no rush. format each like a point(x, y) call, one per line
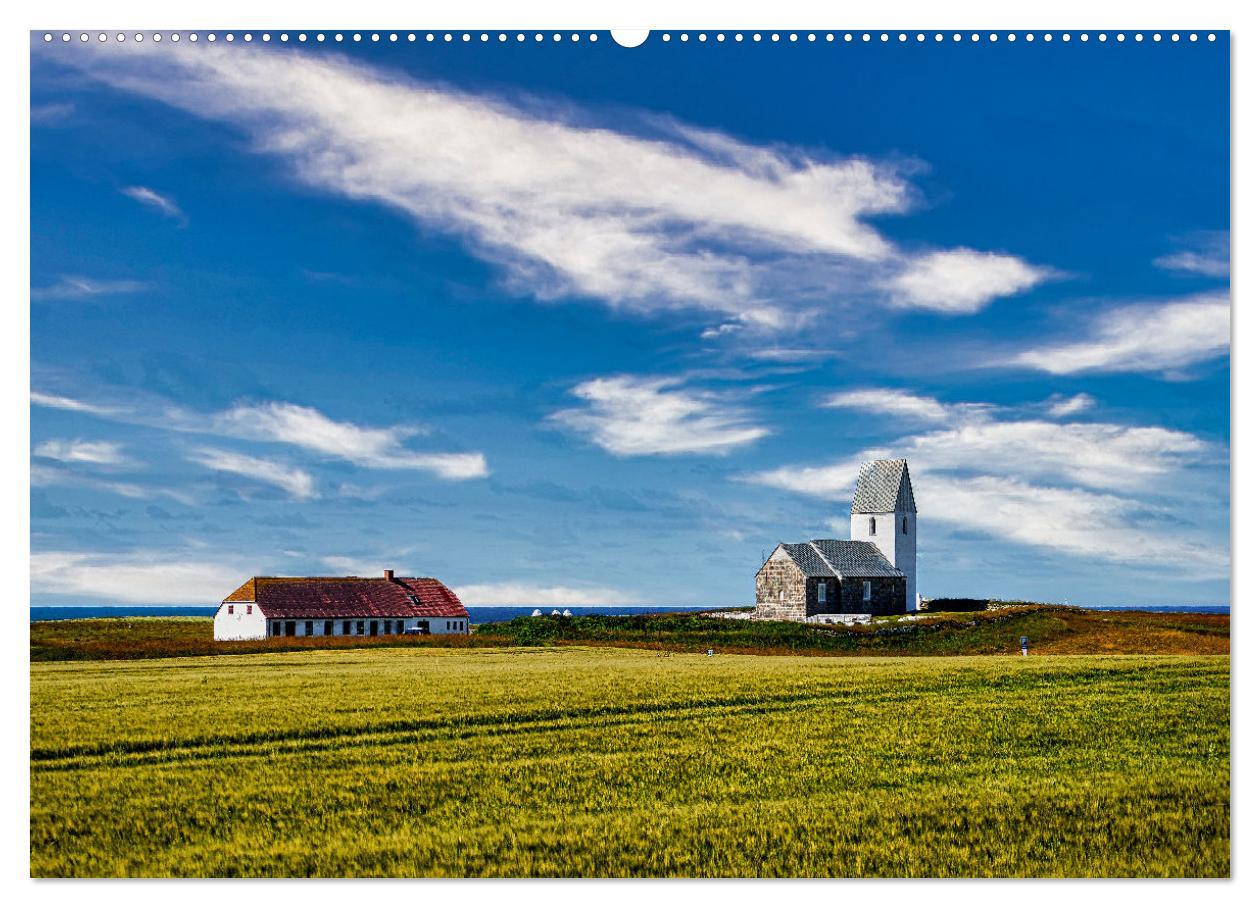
point(362, 567)
point(1156, 337)
point(292, 424)
point(55, 112)
point(159, 202)
point(296, 482)
point(568, 205)
point(1070, 406)
point(962, 281)
point(894, 402)
point(57, 402)
point(308, 428)
point(1205, 253)
point(70, 287)
point(525, 593)
point(102, 453)
point(139, 576)
point(632, 416)
point(1085, 488)
point(44, 476)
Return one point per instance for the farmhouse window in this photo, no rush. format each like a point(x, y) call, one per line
point(290, 628)
point(822, 591)
point(866, 591)
point(373, 628)
point(230, 607)
point(309, 629)
point(358, 628)
point(872, 530)
point(345, 627)
point(275, 628)
point(328, 628)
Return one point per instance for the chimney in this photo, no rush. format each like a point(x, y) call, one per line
point(389, 575)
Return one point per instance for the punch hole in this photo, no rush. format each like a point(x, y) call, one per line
point(628, 37)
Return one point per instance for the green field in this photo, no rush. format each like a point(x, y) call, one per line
point(571, 761)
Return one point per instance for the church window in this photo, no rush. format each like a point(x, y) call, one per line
point(822, 591)
point(866, 591)
point(905, 524)
point(872, 530)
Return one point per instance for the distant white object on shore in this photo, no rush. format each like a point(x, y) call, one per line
point(555, 613)
point(537, 613)
point(567, 613)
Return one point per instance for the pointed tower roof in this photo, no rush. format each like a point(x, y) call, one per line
point(883, 487)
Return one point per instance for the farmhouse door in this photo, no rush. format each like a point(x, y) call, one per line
point(374, 628)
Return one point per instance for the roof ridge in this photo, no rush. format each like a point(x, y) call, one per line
point(826, 560)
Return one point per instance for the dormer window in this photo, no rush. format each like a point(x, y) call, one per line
point(415, 600)
point(872, 530)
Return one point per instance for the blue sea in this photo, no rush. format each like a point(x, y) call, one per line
point(482, 614)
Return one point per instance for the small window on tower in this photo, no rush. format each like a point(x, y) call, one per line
point(872, 530)
point(822, 592)
point(905, 523)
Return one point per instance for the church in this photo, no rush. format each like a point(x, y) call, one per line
point(871, 573)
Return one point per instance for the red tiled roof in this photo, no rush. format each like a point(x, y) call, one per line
point(350, 597)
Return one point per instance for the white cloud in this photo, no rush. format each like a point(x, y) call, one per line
point(360, 567)
point(1147, 338)
point(631, 416)
point(1087, 524)
point(892, 402)
point(57, 402)
point(1088, 489)
point(42, 475)
point(157, 201)
point(296, 482)
point(962, 281)
point(1070, 406)
point(308, 428)
point(525, 593)
point(141, 576)
point(103, 453)
point(72, 287)
point(1208, 255)
point(654, 215)
point(285, 423)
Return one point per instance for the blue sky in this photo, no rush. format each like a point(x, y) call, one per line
point(572, 323)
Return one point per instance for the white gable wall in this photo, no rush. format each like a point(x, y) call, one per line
point(245, 621)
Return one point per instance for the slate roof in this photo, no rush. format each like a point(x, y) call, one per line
point(350, 597)
point(840, 558)
point(883, 487)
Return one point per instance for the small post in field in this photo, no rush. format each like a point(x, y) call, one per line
point(709, 652)
point(1023, 645)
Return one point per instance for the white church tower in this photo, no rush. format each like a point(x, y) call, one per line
point(884, 513)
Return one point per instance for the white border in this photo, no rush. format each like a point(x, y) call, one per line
point(784, 15)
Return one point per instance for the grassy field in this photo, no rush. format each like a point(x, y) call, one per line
point(576, 761)
point(1052, 629)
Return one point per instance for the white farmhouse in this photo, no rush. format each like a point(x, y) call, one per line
point(265, 607)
